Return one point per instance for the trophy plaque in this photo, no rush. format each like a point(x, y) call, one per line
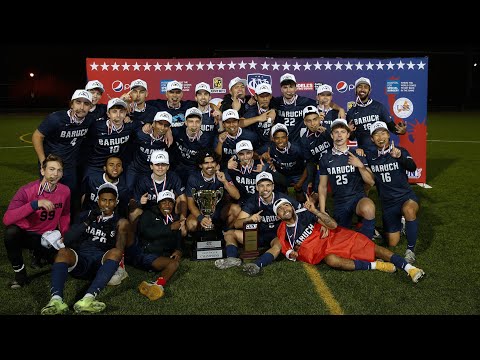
point(250, 241)
point(207, 244)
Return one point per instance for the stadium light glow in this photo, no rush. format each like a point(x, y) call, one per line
point(32, 75)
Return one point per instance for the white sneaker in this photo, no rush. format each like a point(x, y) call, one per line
point(228, 262)
point(410, 256)
point(120, 275)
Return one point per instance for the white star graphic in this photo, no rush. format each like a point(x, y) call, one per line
point(380, 65)
point(348, 66)
point(210, 66)
point(359, 66)
point(369, 66)
point(199, 66)
point(265, 66)
point(242, 65)
point(400, 65)
point(146, 67)
point(126, 67)
point(338, 66)
point(318, 66)
point(178, 66)
point(253, 65)
point(115, 66)
point(189, 66)
point(421, 65)
point(94, 66)
point(328, 66)
point(221, 66)
point(168, 66)
point(157, 66)
point(307, 66)
point(231, 65)
point(390, 65)
point(104, 67)
point(136, 66)
point(411, 65)
point(275, 66)
point(286, 66)
point(296, 66)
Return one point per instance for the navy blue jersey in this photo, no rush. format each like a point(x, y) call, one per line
point(109, 142)
point(144, 116)
point(230, 144)
point(100, 234)
point(390, 176)
point(100, 112)
point(302, 229)
point(262, 129)
point(363, 117)
point(208, 124)
point(289, 162)
point(196, 181)
point(178, 114)
point(244, 179)
point(186, 149)
point(146, 184)
point(143, 146)
point(269, 220)
point(64, 137)
point(90, 187)
point(330, 115)
point(345, 180)
point(292, 115)
point(314, 145)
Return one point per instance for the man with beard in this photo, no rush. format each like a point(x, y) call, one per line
point(311, 236)
point(211, 116)
point(38, 207)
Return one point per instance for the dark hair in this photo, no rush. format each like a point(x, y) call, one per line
point(204, 153)
point(107, 190)
point(112, 156)
point(52, 157)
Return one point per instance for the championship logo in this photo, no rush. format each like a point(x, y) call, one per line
point(253, 80)
point(217, 87)
point(350, 105)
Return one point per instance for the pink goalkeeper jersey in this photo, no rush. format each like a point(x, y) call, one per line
point(21, 213)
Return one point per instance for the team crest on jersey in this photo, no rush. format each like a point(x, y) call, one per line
point(253, 80)
point(350, 104)
point(217, 86)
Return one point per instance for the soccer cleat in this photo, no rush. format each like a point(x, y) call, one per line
point(377, 235)
point(55, 307)
point(416, 274)
point(89, 305)
point(227, 262)
point(151, 290)
point(251, 269)
point(120, 275)
point(385, 266)
point(409, 256)
point(20, 280)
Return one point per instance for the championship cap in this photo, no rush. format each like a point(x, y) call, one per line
point(95, 84)
point(116, 102)
point(230, 114)
point(278, 127)
point(324, 88)
point(167, 194)
point(310, 109)
point(263, 88)
point(243, 145)
point(82, 94)
point(377, 125)
point(263, 176)
point(159, 157)
point(362, 80)
point(339, 122)
point(278, 203)
point(163, 115)
point(138, 82)
point(107, 185)
point(202, 86)
point(172, 85)
point(286, 77)
point(193, 111)
point(236, 81)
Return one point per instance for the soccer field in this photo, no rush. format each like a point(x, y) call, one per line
point(447, 250)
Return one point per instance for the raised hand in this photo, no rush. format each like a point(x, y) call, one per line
point(260, 166)
point(144, 199)
point(401, 128)
point(355, 161)
point(232, 163)
point(309, 205)
point(395, 152)
point(256, 217)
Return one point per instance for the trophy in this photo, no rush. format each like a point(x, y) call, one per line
point(206, 244)
point(250, 241)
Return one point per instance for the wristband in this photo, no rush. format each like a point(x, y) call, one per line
point(200, 218)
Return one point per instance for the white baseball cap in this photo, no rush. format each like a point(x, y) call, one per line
point(159, 157)
point(278, 127)
point(236, 81)
point(167, 194)
point(243, 145)
point(107, 185)
point(263, 88)
point(172, 85)
point(336, 122)
point(138, 82)
point(310, 109)
point(193, 111)
point(377, 125)
point(278, 203)
point(163, 115)
point(263, 176)
point(203, 86)
point(363, 80)
point(95, 84)
point(324, 88)
point(116, 101)
point(82, 94)
point(286, 77)
point(230, 114)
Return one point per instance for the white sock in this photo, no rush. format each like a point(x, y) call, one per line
point(56, 297)
point(408, 267)
point(373, 265)
point(88, 295)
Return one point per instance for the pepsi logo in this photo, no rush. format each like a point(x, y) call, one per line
point(117, 86)
point(342, 87)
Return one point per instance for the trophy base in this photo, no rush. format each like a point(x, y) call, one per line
point(207, 245)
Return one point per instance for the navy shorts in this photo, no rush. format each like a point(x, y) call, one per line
point(87, 264)
point(344, 210)
point(392, 214)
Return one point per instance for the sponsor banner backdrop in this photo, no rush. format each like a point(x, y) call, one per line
point(399, 83)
